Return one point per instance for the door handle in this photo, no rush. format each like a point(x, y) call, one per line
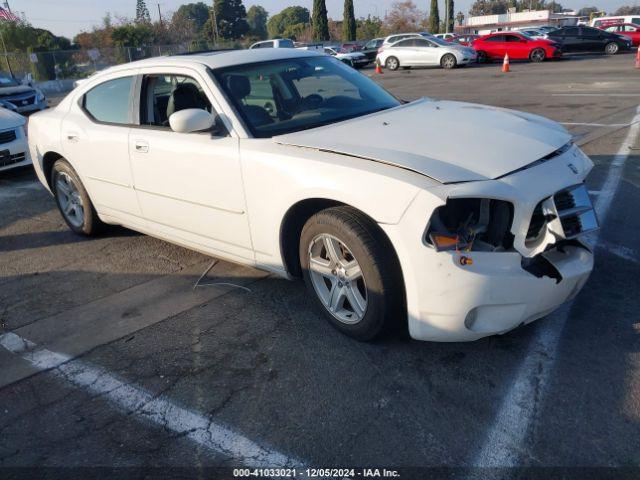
point(72, 136)
point(141, 146)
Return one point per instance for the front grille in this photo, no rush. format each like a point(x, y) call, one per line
point(575, 211)
point(564, 201)
point(573, 215)
point(12, 159)
point(7, 136)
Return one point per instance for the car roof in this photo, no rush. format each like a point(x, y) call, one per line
point(220, 59)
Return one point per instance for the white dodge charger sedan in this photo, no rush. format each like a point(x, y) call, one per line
point(459, 220)
point(419, 51)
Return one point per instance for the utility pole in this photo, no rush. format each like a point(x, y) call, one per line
point(160, 15)
point(214, 21)
point(6, 4)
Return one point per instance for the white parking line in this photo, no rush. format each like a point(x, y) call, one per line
point(586, 124)
point(209, 435)
point(504, 444)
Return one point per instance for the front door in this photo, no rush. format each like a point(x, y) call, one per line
point(189, 184)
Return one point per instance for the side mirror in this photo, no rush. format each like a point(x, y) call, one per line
point(191, 120)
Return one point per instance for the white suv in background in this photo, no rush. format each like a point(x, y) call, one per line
point(13, 140)
point(275, 43)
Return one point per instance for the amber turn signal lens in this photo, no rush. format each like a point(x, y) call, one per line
point(444, 242)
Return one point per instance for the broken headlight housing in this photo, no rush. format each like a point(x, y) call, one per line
point(471, 224)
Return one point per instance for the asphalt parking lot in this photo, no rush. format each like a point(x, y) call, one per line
point(138, 368)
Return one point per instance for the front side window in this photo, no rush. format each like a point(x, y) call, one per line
point(295, 94)
point(512, 38)
point(570, 32)
point(496, 38)
point(111, 101)
point(166, 94)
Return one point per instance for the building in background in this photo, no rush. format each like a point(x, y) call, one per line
point(485, 24)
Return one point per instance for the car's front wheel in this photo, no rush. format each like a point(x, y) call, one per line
point(537, 55)
point(392, 63)
point(611, 48)
point(482, 57)
point(348, 267)
point(73, 200)
point(448, 61)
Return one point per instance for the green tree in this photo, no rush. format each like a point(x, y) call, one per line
point(320, 22)
point(288, 17)
point(628, 10)
point(449, 27)
point(231, 18)
point(142, 12)
point(257, 20)
point(404, 16)
point(368, 28)
point(349, 26)
point(554, 7)
point(133, 35)
point(198, 13)
point(586, 11)
point(434, 17)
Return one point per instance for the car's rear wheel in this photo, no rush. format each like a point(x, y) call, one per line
point(73, 200)
point(448, 61)
point(482, 57)
point(537, 55)
point(392, 63)
point(347, 266)
point(611, 48)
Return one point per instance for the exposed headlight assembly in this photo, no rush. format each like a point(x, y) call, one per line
point(471, 224)
point(40, 95)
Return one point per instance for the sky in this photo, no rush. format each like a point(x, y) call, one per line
point(69, 17)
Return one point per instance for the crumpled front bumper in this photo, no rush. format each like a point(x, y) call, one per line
point(462, 296)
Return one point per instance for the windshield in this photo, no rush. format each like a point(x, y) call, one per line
point(295, 94)
point(7, 81)
point(439, 41)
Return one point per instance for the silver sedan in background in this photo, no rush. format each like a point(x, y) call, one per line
point(424, 52)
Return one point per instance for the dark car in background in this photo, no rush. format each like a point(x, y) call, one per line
point(589, 39)
point(370, 48)
point(20, 98)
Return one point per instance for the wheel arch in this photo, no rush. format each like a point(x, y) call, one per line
point(295, 219)
point(48, 160)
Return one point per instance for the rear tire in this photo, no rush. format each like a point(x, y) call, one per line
point(345, 258)
point(482, 57)
point(537, 55)
point(448, 61)
point(392, 63)
point(73, 200)
point(611, 48)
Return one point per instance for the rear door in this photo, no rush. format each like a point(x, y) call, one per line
point(405, 52)
point(95, 139)
point(496, 46)
point(571, 41)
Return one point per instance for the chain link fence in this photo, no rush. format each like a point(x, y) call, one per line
point(80, 63)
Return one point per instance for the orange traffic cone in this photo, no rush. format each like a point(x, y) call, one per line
point(638, 58)
point(378, 66)
point(505, 63)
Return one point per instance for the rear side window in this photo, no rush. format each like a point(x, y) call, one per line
point(495, 38)
point(512, 38)
point(285, 43)
point(111, 101)
point(636, 20)
point(569, 32)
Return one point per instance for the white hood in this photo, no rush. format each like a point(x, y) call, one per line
point(447, 141)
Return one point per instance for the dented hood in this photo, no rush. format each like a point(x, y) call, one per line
point(447, 141)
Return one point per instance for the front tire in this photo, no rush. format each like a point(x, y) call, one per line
point(482, 57)
point(349, 270)
point(537, 55)
point(392, 63)
point(73, 200)
point(611, 48)
point(448, 61)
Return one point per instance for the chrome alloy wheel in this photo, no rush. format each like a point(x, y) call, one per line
point(337, 279)
point(69, 199)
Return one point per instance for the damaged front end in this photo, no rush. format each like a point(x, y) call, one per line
point(557, 222)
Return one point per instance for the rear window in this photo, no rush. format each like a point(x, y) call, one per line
point(110, 102)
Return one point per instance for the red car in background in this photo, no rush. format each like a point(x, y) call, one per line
point(517, 45)
point(629, 30)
